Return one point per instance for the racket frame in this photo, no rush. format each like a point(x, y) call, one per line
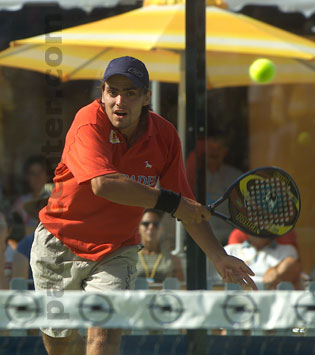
point(225, 196)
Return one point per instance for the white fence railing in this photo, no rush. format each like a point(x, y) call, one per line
point(158, 309)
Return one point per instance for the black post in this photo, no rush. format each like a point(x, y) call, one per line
point(196, 129)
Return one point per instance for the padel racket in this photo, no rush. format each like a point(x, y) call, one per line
point(263, 202)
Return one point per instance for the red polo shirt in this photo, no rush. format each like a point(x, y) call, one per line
point(92, 226)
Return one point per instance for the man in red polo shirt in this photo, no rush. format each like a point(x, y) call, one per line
point(115, 153)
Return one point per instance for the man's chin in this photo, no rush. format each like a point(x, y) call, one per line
point(119, 124)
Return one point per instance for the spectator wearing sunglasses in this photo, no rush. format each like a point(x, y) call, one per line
point(4, 232)
point(156, 263)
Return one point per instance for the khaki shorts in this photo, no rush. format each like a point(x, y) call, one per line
point(55, 267)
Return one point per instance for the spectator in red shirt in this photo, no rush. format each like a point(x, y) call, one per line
point(238, 236)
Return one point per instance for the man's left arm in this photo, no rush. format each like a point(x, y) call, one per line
point(174, 178)
point(231, 269)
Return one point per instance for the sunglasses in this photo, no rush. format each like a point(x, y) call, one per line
point(155, 224)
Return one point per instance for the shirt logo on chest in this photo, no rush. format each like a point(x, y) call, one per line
point(113, 137)
point(147, 164)
point(142, 179)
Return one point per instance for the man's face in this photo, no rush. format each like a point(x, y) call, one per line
point(123, 103)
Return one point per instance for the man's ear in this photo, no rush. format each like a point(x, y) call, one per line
point(147, 99)
point(102, 92)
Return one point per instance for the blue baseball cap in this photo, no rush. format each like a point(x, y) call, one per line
point(130, 67)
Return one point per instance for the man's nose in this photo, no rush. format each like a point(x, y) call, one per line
point(119, 99)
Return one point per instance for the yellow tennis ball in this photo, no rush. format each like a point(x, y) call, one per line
point(262, 70)
point(304, 138)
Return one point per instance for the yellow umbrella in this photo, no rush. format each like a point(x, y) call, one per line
point(163, 27)
point(156, 35)
point(75, 62)
point(223, 69)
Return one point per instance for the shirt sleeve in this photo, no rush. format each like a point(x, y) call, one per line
point(288, 251)
point(237, 236)
point(88, 154)
point(289, 238)
point(173, 176)
point(233, 249)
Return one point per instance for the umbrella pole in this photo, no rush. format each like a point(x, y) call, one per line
point(155, 87)
point(181, 129)
point(196, 129)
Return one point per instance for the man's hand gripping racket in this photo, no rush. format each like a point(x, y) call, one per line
point(263, 202)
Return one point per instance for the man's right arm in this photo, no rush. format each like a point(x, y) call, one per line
point(120, 189)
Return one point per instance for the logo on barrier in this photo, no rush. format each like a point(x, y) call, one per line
point(22, 308)
point(96, 308)
point(305, 308)
point(239, 309)
point(166, 308)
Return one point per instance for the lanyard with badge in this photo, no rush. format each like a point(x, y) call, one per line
point(150, 277)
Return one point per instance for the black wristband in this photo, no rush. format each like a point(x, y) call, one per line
point(168, 201)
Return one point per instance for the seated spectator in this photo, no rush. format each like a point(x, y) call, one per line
point(271, 262)
point(238, 236)
point(37, 173)
point(4, 232)
point(21, 261)
point(156, 263)
point(16, 232)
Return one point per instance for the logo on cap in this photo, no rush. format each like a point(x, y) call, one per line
point(135, 72)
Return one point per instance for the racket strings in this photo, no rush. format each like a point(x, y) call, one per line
point(269, 203)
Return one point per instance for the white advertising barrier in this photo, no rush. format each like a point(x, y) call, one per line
point(158, 309)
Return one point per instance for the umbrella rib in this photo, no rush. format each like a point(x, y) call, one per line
point(306, 63)
point(68, 76)
point(20, 49)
